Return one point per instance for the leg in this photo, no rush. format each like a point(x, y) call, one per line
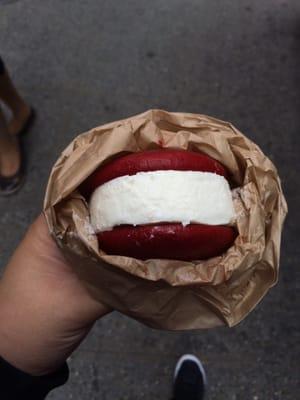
point(10, 96)
point(9, 150)
point(189, 379)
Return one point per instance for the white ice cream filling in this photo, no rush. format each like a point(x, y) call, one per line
point(162, 196)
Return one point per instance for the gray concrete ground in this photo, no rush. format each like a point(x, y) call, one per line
point(83, 63)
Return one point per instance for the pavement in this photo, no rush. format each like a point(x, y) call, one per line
point(83, 63)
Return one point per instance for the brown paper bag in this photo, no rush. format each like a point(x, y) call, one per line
point(170, 294)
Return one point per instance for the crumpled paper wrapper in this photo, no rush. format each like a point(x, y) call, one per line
point(170, 294)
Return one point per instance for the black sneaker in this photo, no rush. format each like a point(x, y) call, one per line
point(189, 379)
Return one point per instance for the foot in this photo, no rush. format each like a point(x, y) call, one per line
point(189, 379)
point(10, 158)
point(19, 119)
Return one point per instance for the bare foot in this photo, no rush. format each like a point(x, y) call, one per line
point(19, 119)
point(10, 158)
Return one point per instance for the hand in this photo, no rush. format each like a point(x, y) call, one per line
point(45, 311)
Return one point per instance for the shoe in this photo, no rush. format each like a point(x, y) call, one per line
point(11, 184)
point(189, 379)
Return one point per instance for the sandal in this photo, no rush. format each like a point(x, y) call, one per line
point(30, 120)
point(11, 184)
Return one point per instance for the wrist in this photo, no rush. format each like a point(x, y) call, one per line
point(22, 344)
